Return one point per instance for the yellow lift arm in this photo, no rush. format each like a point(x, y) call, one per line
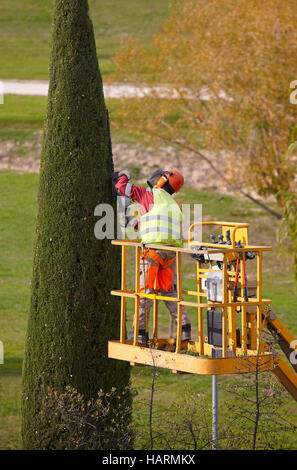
point(287, 342)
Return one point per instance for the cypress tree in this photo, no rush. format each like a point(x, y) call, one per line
point(72, 314)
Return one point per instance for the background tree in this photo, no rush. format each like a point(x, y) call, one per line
point(72, 314)
point(288, 227)
point(227, 71)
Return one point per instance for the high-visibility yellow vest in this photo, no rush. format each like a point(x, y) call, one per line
point(162, 224)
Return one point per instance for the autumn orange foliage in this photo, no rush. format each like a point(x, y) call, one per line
point(226, 67)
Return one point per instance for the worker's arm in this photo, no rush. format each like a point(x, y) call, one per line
point(137, 193)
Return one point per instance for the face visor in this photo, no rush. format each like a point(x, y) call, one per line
point(154, 178)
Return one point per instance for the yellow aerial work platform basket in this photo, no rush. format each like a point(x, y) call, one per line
point(242, 349)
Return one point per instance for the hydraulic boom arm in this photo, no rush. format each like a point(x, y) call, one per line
point(287, 343)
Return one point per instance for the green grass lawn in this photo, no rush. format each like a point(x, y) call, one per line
point(18, 208)
point(21, 116)
point(26, 28)
point(22, 120)
point(18, 205)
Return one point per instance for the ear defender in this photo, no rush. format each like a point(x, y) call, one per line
point(162, 181)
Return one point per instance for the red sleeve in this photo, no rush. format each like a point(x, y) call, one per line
point(137, 193)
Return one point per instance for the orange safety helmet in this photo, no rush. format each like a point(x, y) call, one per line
point(171, 181)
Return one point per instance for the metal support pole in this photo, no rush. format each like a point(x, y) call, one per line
point(215, 408)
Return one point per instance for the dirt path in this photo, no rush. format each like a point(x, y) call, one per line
point(40, 88)
point(114, 90)
point(25, 157)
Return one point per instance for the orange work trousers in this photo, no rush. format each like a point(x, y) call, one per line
point(158, 274)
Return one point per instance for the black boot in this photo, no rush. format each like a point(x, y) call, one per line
point(186, 332)
point(143, 336)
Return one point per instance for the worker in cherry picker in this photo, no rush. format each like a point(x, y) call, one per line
point(160, 223)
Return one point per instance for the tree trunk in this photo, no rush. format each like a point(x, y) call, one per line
point(72, 314)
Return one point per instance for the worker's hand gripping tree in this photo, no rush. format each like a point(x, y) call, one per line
point(72, 314)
